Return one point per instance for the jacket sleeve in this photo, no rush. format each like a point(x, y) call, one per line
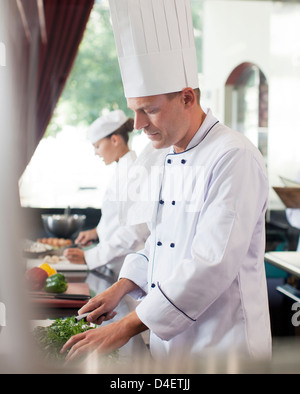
point(135, 268)
point(124, 240)
point(235, 202)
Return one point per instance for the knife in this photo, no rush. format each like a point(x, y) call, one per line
point(80, 245)
point(84, 315)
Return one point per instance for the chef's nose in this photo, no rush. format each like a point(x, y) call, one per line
point(141, 120)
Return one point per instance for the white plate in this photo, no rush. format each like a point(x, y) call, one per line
point(62, 265)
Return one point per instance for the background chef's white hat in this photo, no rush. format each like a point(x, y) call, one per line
point(155, 44)
point(105, 125)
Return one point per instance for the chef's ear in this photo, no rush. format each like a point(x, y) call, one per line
point(188, 97)
point(115, 139)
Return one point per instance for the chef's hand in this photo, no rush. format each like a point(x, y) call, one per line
point(104, 339)
point(101, 307)
point(75, 255)
point(85, 237)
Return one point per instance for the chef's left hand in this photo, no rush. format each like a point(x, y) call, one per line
point(75, 255)
point(104, 339)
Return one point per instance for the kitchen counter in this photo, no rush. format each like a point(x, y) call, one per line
point(290, 263)
point(287, 261)
point(134, 356)
point(97, 281)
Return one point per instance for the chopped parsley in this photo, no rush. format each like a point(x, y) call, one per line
point(51, 339)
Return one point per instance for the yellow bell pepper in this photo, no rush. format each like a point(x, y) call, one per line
point(46, 267)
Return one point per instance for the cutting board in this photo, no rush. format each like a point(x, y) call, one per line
point(73, 288)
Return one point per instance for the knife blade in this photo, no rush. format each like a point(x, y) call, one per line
point(84, 315)
point(79, 245)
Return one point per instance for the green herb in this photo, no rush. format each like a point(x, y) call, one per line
point(51, 339)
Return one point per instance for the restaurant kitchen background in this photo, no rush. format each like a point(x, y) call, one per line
point(249, 73)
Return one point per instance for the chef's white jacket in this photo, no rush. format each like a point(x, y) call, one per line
point(115, 240)
point(201, 275)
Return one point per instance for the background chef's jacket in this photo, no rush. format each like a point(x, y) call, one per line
point(116, 240)
point(201, 275)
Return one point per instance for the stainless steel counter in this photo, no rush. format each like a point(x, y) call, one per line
point(287, 261)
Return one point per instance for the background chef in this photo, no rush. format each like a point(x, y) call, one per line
point(109, 136)
point(200, 277)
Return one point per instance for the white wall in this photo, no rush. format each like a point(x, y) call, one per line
point(268, 34)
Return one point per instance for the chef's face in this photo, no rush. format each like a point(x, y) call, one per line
point(163, 119)
point(105, 148)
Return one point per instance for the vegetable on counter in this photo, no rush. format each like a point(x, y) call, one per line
point(35, 278)
point(46, 278)
point(56, 283)
point(46, 267)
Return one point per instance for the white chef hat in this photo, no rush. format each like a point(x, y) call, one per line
point(105, 125)
point(155, 45)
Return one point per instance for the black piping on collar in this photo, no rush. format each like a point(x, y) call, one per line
point(205, 135)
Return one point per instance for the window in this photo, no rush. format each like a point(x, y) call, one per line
point(246, 104)
point(251, 80)
point(64, 170)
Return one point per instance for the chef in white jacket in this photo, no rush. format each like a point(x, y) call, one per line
point(201, 277)
point(109, 136)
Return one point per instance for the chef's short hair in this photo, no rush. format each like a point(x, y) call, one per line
point(196, 91)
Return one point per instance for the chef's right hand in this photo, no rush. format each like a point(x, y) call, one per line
point(86, 236)
point(101, 307)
